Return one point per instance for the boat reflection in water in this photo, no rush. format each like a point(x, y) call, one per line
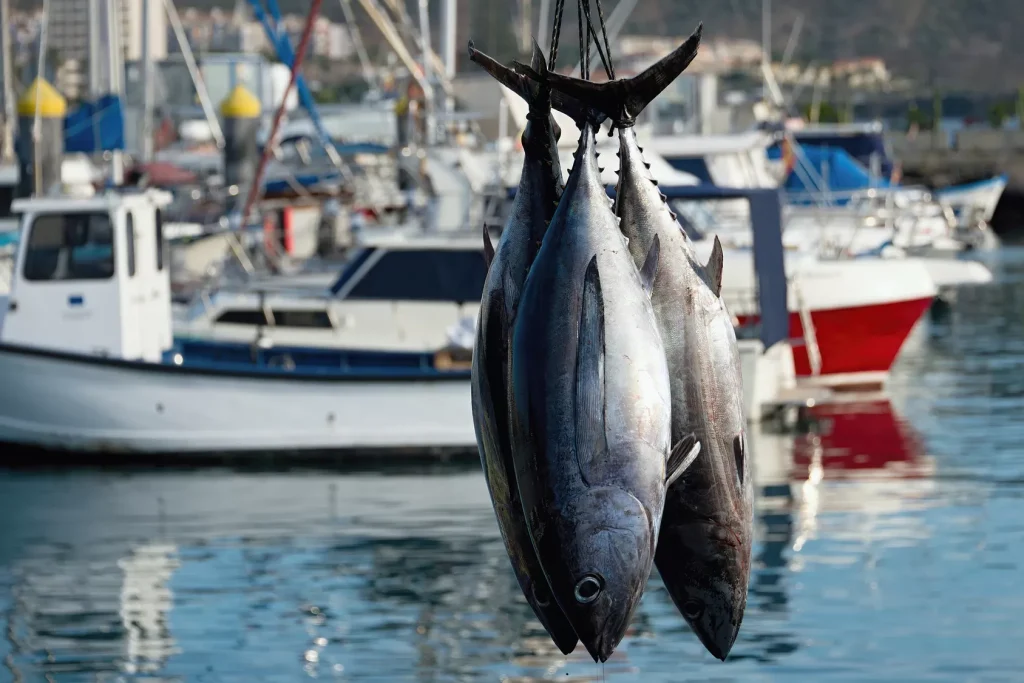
point(866, 448)
point(91, 615)
point(386, 577)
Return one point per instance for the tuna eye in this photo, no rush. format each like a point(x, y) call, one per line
point(692, 609)
point(587, 589)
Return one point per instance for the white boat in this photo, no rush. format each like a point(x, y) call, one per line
point(857, 222)
point(416, 293)
point(849, 318)
point(88, 362)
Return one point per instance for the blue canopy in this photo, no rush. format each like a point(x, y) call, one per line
point(840, 172)
point(95, 126)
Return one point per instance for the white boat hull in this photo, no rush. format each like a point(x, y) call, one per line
point(982, 196)
point(80, 404)
point(76, 403)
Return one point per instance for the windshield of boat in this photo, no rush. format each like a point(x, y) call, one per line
point(429, 274)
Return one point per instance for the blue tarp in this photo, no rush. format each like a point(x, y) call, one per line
point(840, 172)
point(861, 146)
point(95, 126)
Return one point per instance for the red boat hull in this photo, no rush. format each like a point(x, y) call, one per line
point(854, 341)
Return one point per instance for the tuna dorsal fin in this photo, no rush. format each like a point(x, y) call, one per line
point(682, 456)
point(739, 451)
point(590, 436)
point(623, 99)
point(714, 267)
point(488, 248)
point(650, 270)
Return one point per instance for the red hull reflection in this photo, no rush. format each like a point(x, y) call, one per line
point(862, 435)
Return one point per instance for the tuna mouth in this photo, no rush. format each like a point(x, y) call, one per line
point(721, 641)
point(601, 649)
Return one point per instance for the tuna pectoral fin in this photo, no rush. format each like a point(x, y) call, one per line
point(681, 457)
point(622, 100)
point(590, 436)
point(488, 248)
point(714, 268)
point(650, 270)
point(739, 452)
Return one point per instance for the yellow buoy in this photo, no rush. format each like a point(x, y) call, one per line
point(50, 102)
point(240, 104)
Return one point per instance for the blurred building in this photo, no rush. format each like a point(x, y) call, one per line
point(68, 28)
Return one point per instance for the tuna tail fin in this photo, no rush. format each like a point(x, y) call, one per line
point(563, 102)
point(622, 100)
point(516, 82)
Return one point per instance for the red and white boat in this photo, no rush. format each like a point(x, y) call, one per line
point(848, 318)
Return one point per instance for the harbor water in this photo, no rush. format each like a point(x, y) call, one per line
point(890, 547)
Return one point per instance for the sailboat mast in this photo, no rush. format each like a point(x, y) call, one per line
point(115, 72)
point(146, 129)
point(10, 111)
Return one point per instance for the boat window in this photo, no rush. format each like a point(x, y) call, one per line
point(129, 233)
point(243, 317)
point(425, 275)
point(695, 166)
point(282, 318)
point(76, 246)
point(308, 319)
point(159, 240)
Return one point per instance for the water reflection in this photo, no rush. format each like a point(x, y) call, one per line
point(240, 577)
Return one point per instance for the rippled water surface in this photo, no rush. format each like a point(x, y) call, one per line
point(890, 548)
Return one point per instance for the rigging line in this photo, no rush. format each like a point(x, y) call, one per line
point(556, 34)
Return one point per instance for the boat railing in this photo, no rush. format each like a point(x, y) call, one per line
point(6, 268)
point(810, 337)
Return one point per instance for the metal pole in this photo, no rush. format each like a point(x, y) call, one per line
point(94, 43)
point(116, 72)
point(10, 110)
point(766, 42)
point(427, 71)
point(146, 143)
point(357, 41)
point(193, 69)
point(544, 24)
point(300, 56)
point(37, 151)
point(525, 22)
point(449, 29)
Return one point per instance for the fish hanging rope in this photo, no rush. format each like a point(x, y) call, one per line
point(606, 59)
point(556, 34)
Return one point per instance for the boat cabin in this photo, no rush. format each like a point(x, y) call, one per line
point(395, 294)
point(91, 276)
point(737, 160)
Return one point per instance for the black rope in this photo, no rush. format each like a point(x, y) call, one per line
point(605, 59)
point(584, 48)
point(604, 34)
point(556, 34)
